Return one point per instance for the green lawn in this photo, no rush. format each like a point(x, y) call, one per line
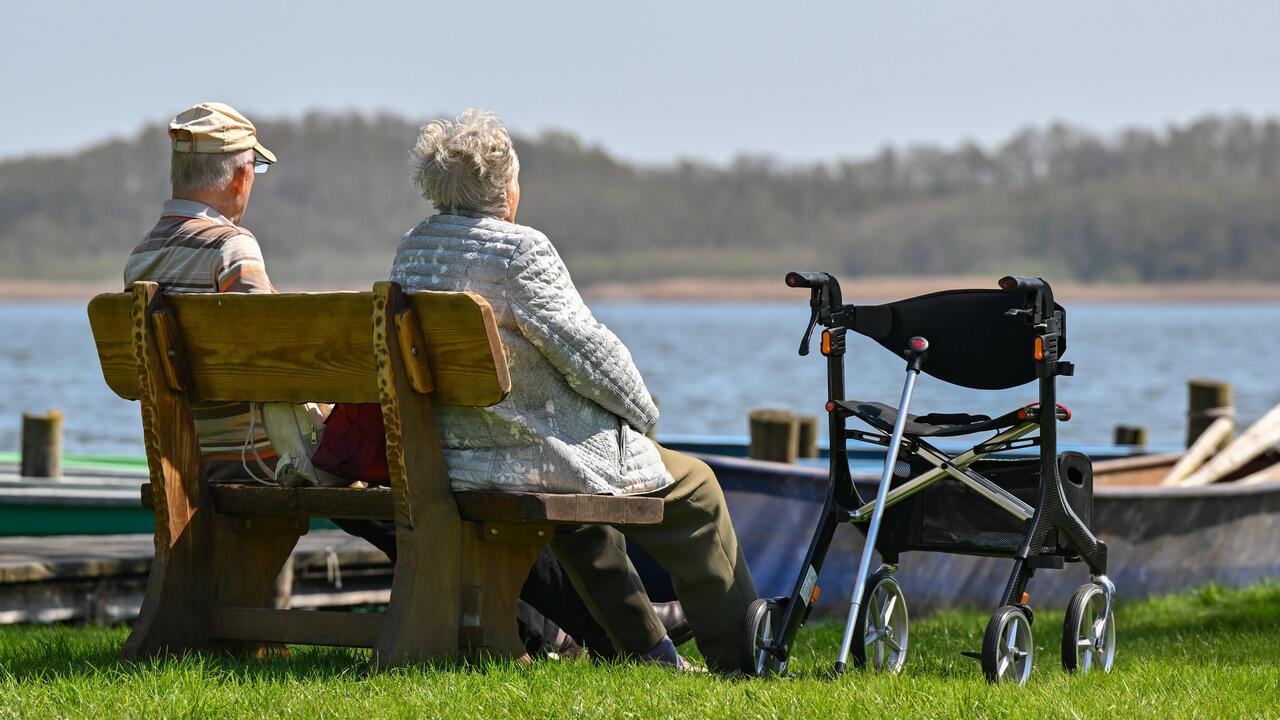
point(1212, 653)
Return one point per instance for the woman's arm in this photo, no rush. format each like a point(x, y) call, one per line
point(551, 314)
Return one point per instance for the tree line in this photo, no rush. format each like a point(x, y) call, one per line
point(1197, 201)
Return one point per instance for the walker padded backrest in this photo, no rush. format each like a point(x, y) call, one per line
point(971, 341)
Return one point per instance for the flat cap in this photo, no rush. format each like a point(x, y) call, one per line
point(215, 128)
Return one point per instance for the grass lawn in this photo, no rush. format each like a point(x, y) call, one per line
point(1212, 653)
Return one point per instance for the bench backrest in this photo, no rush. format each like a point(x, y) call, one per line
point(405, 352)
point(299, 347)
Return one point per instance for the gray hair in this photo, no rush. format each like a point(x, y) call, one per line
point(206, 171)
point(467, 165)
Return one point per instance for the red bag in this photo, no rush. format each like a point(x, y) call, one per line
point(354, 444)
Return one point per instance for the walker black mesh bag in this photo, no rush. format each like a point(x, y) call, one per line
point(951, 518)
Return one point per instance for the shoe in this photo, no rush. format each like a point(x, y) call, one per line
point(671, 614)
point(664, 655)
point(566, 648)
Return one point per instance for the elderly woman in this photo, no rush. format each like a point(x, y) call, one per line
point(576, 418)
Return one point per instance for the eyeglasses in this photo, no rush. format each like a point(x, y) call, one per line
point(260, 167)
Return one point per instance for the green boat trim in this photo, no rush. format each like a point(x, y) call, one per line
point(46, 520)
point(62, 519)
point(96, 495)
point(105, 463)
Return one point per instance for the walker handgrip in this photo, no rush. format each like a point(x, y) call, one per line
point(813, 280)
point(1025, 284)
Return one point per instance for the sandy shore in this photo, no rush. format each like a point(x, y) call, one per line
point(891, 288)
point(13, 289)
point(742, 290)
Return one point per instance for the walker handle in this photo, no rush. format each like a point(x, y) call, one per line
point(1024, 284)
point(814, 280)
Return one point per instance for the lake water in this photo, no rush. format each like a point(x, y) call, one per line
point(710, 364)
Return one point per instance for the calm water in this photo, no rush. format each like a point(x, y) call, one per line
point(710, 364)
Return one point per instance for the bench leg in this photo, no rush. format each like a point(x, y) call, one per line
point(422, 617)
point(250, 553)
point(496, 559)
point(175, 610)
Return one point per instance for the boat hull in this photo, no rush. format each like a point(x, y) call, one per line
point(1159, 540)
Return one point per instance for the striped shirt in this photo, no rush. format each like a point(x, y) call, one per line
point(195, 249)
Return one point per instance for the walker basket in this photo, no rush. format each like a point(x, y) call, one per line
point(951, 518)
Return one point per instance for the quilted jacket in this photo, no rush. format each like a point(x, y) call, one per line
point(578, 409)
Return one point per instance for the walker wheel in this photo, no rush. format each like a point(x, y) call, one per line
point(1007, 648)
point(763, 623)
point(881, 632)
point(1088, 632)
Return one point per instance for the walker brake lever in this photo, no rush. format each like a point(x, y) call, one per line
point(808, 333)
point(813, 321)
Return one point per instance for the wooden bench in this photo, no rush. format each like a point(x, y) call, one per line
point(463, 557)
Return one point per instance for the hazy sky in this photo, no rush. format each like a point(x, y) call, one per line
point(649, 80)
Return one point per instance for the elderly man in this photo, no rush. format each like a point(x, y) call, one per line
point(198, 246)
point(576, 418)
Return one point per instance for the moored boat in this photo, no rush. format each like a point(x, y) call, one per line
point(1160, 539)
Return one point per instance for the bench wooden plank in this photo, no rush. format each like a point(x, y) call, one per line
point(428, 530)
point(468, 367)
point(557, 508)
point(299, 627)
point(180, 583)
point(109, 316)
point(375, 504)
point(299, 347)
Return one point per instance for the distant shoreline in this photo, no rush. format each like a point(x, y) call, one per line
point(760, 289)
point(892, 288)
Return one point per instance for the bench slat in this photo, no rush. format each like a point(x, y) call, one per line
point(557, 508)
point(109, 317)
point(299, 347)
point(375, 504)
point(353, 503)
point(299, 627)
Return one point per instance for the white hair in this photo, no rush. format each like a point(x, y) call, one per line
point(467, 165)
point(206, 171)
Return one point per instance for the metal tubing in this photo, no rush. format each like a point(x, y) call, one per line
point(1002, 498)
point(900, 493)
point(839, 489)
point(1108, 588)
point(1006, 500)
point(927, 478)
point(864, 566)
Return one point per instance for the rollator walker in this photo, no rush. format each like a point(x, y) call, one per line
point(1034, 510)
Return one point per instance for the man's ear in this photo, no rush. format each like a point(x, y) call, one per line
point(241, 177)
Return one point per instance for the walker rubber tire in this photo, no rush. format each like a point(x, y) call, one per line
point(1008, 647)
point(763, 620)
point(1087, 613)
point(882, 589)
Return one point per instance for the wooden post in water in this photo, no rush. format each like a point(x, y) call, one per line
point(775, 436)
point(807, 440)
point(1131, 435)
point(42, 445)
point(1207, 400)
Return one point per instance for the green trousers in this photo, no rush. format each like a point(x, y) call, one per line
point(695, 543)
